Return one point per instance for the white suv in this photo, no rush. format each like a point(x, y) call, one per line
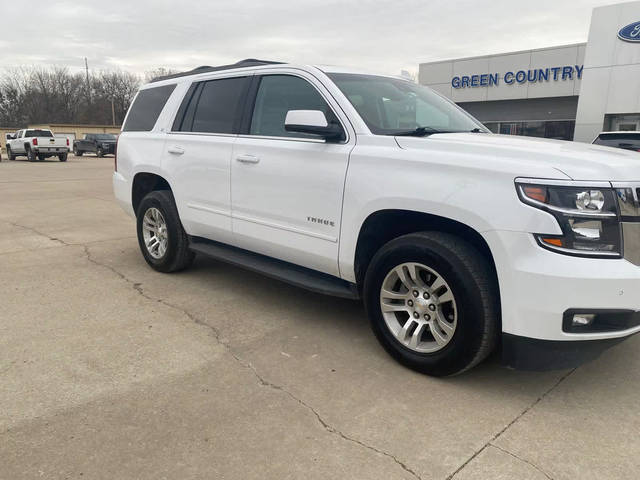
point(373, 187)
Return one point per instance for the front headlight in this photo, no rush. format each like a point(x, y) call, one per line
point(588, 217)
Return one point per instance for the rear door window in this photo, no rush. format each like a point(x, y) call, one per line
point(146, 108)
point(214, 106)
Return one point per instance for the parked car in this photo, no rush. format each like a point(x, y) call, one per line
point(36, 144)
point(373, 187)
point(625, 140)
point(99, 143)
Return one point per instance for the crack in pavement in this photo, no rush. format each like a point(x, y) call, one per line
point(524, 460)
point(518, 417)
point(247, 365)
point(329, 428)
point(38, 232)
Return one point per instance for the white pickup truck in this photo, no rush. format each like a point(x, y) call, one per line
point(459, 241)
point(36, 144)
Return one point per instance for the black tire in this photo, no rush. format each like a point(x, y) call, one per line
point(62, 157)
point(473, 283)
point(31, 155)
point(100, 152)
point(10, 154)
point(41, 158)
point(178, 256)
point(76, 152)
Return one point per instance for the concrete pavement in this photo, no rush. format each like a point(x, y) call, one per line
point(111, 370)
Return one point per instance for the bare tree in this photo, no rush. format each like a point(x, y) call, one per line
point(54, 95)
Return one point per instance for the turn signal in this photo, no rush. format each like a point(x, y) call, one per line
point(556, 242)
point(539, 194)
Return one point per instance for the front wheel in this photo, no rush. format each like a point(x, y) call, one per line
point(10, 154)
point(163, 241)
point(433, 302)
point(76, 152)
point(100, 152)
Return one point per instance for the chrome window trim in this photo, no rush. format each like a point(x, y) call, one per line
point(203, 134)
point(290, 139)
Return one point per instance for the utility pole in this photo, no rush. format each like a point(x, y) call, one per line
point(113, 114)
point(86, 69)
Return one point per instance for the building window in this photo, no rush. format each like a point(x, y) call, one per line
point(558, 130)
point(622, 123)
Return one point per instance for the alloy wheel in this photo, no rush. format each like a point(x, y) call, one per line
point(154, 231)
point(418, 307)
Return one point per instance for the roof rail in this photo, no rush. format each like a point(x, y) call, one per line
point(249, 62)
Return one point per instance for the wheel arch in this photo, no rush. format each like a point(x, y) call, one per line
point(382, 226)
point(144, 183)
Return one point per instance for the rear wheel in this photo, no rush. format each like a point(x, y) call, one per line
point(62, 157)
point(163, 241)
point(433, 302)
point(31, 155)
point(100, 152)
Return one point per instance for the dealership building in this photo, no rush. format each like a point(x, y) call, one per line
point(569, 92)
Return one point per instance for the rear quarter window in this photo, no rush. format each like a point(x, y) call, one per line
point(146, 108)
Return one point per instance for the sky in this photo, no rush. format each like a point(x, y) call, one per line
point(375, 35)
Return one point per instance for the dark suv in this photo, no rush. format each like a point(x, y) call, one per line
point(99, 143)
point(626, 140)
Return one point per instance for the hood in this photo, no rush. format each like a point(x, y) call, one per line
point(578, 161)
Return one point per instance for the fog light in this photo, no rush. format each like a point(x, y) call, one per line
point(583, 319)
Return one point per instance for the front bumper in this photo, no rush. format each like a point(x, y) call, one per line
point(523, 353)
point(537, 288)
point(108, 148)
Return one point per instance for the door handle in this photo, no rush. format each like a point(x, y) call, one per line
point(247, 159)
point(176, 150)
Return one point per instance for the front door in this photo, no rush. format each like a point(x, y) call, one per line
point(287, 187)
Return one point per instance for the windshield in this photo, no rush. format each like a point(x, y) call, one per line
point(105, 136)
point(38, 133)
point(392, 106)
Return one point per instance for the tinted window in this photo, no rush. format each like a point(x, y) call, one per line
point(146, 108)
point(38, 133)
point(619, 140)
point(277, 94)
point(214, 107)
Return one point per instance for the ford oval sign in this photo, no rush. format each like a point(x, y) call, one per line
point(630, 33)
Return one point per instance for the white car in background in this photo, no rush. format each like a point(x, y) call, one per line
point(364, 186)
point(36, 144)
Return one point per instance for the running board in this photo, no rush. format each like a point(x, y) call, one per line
point(273, 268)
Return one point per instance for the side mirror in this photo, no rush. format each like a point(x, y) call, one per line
point(8, 136)
point(312, 122)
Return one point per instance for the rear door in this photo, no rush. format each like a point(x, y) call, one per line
point(198, 154)
point(287, 187)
